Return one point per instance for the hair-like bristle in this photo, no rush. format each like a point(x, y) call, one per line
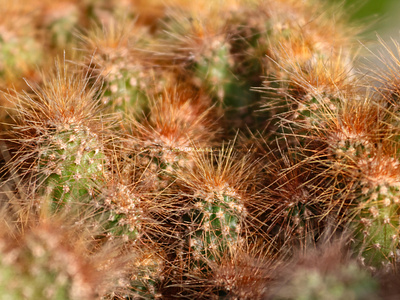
point(60, 137)
point(118, 53)
point(200, 46)
point(179, 121)
point(216, 217)
point(249, 273)
point(296, 199)
point(121, 174)
point(384, 77)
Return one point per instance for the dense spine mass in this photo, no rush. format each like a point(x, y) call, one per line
point(210, 150)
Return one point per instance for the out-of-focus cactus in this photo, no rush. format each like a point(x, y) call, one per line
point(246, 274)
point(302, 42)
point(306, 70)
point(59, 20)
point(20, 49)
point(348, 282)
point(325, 273)
point(146, 277)
point(49, 261)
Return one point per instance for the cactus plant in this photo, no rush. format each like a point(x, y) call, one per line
point(138, 129)
point(116, 52)
point(218, 214)
point(59, 137)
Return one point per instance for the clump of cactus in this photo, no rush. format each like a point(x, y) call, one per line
point(158, 150)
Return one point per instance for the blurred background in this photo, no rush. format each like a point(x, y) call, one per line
point(379, 18)
point(381, 15)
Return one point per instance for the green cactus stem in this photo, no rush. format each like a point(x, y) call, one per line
point(377, 226)
point(71, 161)
point(217, 223)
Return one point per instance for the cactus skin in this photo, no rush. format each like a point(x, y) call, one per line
point(376, 223)
point(214, 69)
point(377, 235)
point(126, 90)
point(123, 211)
point(80, 175)
point(217, 226)
point(72, 161)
